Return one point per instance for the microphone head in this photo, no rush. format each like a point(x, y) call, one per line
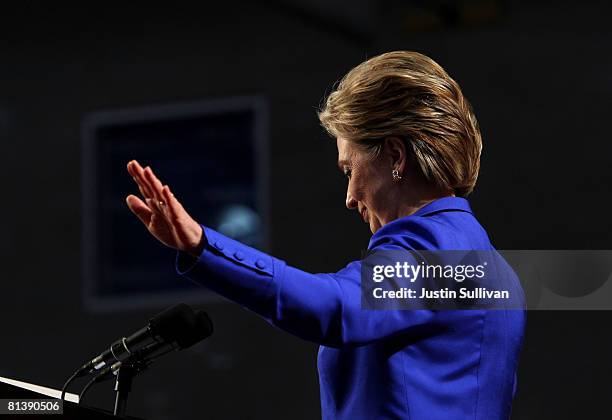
point(201, 329)
point(180, 324)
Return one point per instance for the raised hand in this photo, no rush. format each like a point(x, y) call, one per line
point(162, 213)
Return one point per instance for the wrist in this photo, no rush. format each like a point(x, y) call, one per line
point(199, 244)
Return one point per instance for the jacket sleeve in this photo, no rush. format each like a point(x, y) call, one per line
point(324, 308)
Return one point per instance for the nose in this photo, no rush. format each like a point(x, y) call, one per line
point(351, 203)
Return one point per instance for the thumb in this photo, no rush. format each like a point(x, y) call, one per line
point(139, 208)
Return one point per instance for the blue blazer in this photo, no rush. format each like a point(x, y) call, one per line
point(380, 364)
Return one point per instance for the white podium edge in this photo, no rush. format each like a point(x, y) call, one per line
point(50, 392)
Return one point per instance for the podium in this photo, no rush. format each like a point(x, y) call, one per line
point(10, 388)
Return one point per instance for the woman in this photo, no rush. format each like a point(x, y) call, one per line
point(410, 147)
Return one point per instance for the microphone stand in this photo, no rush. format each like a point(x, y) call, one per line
point(128, 370)
point(123, 385)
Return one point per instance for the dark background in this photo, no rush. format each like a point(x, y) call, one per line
point(538, 73)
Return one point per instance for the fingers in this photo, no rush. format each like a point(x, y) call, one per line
point(175, 209)
point(132, 166)
point(140, 209)
point(156, 207)
point(153, 183)
point(156, 214)
point(137, 173)
point(150, 187)
point(159, 200)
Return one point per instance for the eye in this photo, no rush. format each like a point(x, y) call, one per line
point(347, 172)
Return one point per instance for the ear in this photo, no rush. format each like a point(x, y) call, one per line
point(396, 152)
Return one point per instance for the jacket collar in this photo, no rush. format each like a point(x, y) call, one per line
point(436, 206)
point(444, 204)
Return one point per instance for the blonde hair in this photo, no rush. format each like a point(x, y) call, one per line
point(408, 95)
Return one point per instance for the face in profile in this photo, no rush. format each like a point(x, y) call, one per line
point(369, 189)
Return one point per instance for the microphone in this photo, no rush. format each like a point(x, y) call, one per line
point(146, 355)
point(176, 328)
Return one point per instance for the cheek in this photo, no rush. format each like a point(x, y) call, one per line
point(377, 190)
point(367, 187)
point(378, 193)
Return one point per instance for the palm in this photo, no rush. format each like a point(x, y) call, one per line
point(162, 213)
point(162, 231)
